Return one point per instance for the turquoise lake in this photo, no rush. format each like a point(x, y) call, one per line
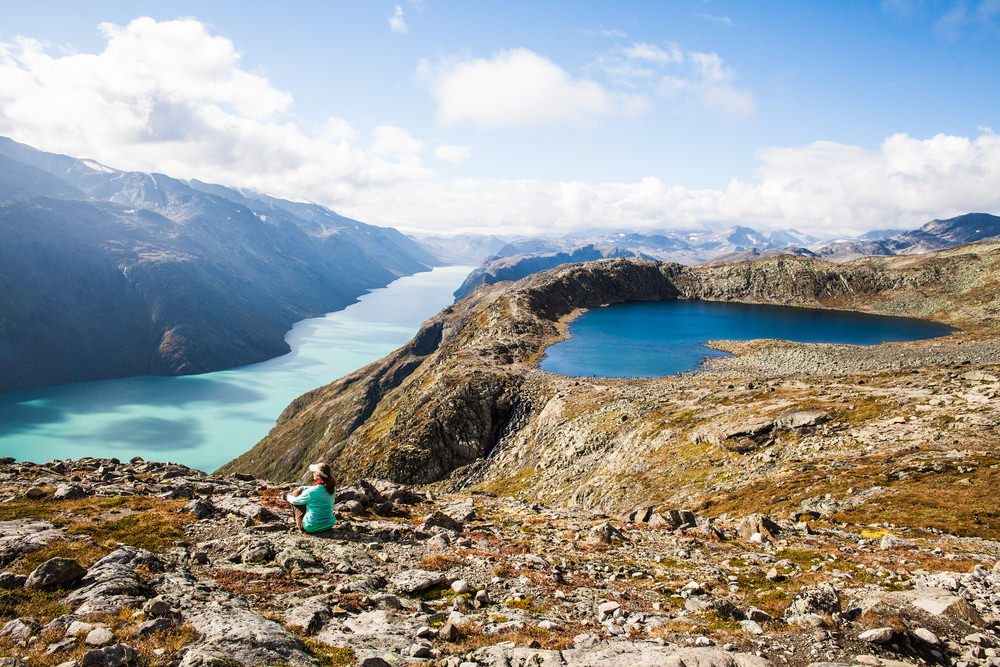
point(663, 338)
point(205, 420)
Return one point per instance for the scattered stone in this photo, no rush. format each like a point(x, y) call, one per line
point(758, 524)
point(448, 632)
point(409, 582)
point(926, 635)
point(460, 586)
point(55, 573)
point(34, 493)
point(890, 541)
point(821, 599)
point(10, 581)
point(155, 625)
point(441, 520)
point(119, 655)
point(19, 629)
point(99, 637)
point(877, 635)
point(69, 492)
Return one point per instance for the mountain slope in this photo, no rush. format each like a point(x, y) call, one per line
point(468, 386)
point(123, 273)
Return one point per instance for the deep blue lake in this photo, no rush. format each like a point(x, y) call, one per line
point(662, 338)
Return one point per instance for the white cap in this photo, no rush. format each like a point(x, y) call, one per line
point(314, 467)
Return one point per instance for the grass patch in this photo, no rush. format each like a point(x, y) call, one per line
point(150, 523)
point(441, 562)
point(526, 604)
point(41, 605)
point(330, 656)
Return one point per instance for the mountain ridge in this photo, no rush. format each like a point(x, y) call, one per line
point(126, 273)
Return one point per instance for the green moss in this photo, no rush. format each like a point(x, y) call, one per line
point(330, 656)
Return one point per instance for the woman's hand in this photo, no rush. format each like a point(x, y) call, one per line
point(296, 491)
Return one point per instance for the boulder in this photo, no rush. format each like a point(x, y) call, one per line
point(154, 625)
point(307, 616)
point(877, 635)
point(821, 599)
point(414, 581)
point(199, 508)
point(20, 629)
point(236, 634)
point(9, 580)
point(119, 655)
point(441, 520)
point(111, 583)
point(890, 541)
point(69, 492)
point(99, 637)
point(298, 560)
point(55, 573)
point(23, 536)
point(604, 533)
point(759, 524)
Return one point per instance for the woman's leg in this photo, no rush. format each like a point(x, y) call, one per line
point(298, 511)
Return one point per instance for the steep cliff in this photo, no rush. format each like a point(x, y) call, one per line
point(105, 273)
point(465, 398)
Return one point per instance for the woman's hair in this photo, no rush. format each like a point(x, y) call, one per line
point(327, 477)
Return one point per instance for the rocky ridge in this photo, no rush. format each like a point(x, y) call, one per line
point(143, 563)
point(465, 405)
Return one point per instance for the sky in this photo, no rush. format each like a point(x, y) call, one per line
point(833, 118)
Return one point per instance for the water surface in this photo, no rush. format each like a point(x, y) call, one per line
point(205, 420)
point(662, 338)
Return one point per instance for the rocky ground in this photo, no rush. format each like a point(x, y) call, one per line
point(141, 563)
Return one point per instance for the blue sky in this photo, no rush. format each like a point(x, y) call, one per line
point(523, 116)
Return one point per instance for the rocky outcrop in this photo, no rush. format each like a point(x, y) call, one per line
point(465, 398)
point(472, 579)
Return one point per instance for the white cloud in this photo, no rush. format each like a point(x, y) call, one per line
point(688, 77)
point(173, 98)
point(517, 88)
point(825, 188)
point(721, 20)
point(170, 97)
point(397, 23)
point(453, 154)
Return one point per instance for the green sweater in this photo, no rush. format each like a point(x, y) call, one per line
point(319, 508)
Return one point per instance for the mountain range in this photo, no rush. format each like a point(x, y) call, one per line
point(523, 257)
point(107, 273)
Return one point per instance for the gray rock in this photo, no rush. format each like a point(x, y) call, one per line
point(69, 492)
point(119, 655)
point(199, 508)
point(307, 616)
point(758, 523)
point(462, 512)
point(155, 625)
point(926, 635)
point(34, 493)
point(890, 541)
point(460, 586)
point(99, 637)
point(240, 635)
point(20, 629)
point(448, 632)
point(823, 598)
point(157, 608)
point(413, 581)
point(441, 520)
point(23, 536)
point(111, 583)
point(801, 419)
point(13, 662)
point(298, 560)
point(877, 635)
point(9, 580)
point(55, 573)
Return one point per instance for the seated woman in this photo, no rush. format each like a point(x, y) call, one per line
point(313, 505)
